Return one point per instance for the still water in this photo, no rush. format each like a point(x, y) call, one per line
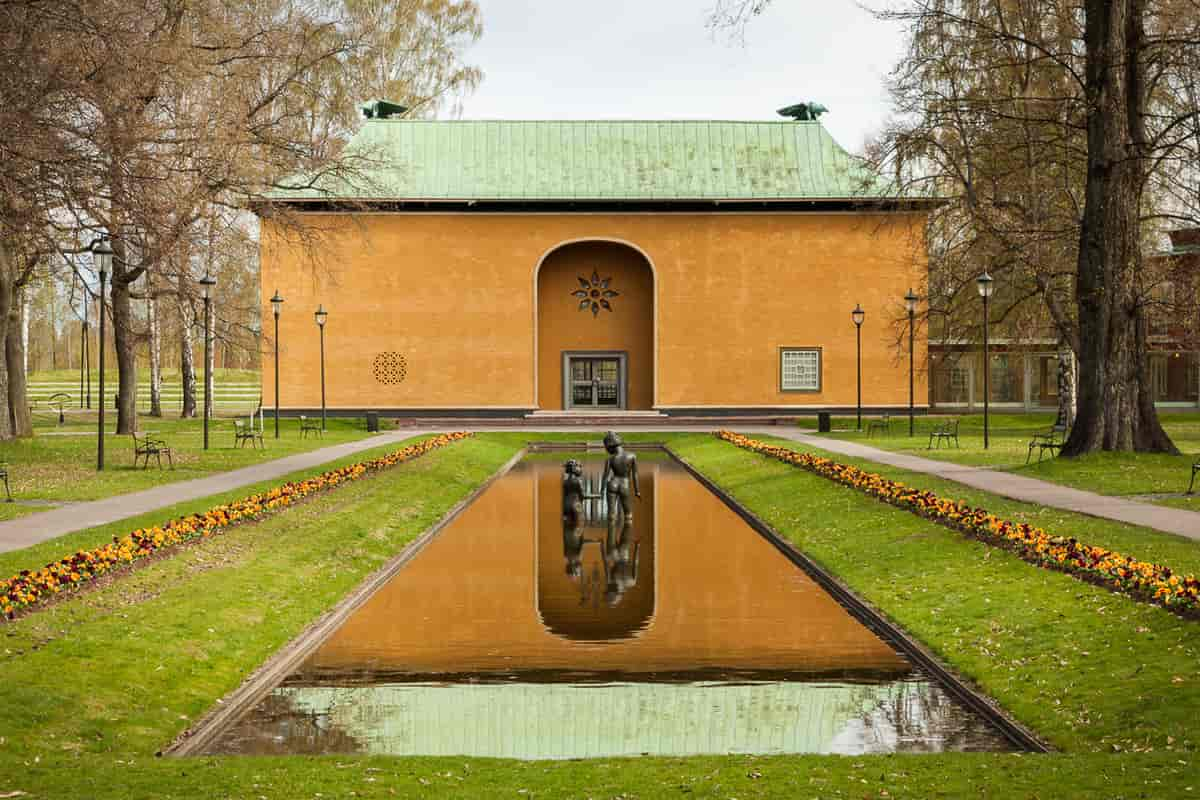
point(513, 634)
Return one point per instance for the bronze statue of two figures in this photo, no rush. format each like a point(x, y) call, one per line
point(619, 485)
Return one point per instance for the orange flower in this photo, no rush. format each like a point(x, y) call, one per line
point(26, 588)
point(1136, 578)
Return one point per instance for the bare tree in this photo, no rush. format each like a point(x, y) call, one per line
point(161, 113)
point(1060, 146)
point(1131, 47)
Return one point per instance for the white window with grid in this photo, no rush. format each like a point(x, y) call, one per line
point(800, 370)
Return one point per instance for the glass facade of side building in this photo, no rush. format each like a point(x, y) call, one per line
point(1024, 373)
point(1027, 378)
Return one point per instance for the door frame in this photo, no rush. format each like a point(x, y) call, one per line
point(622, 358)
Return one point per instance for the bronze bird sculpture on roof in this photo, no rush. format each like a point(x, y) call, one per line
point(803, 112)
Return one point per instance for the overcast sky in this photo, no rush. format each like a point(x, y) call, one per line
point(655, 59)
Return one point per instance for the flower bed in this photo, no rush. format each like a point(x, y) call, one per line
point(27, 588)
point(1153, 583)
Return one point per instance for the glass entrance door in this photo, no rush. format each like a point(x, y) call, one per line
point(595, 382)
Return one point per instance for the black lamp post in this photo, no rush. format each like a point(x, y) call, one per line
point(102, 257)
point(320, 315)
point(984, 283)
point(858, 315)
point(206, 284)
point(85, 377)
point(276, 306)
point(910, 302)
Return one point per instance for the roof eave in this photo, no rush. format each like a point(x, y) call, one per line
point(875, 200)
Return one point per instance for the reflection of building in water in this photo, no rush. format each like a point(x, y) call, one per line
point(510, 720)
point(603, 586)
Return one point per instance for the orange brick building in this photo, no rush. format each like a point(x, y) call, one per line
point(497, 269)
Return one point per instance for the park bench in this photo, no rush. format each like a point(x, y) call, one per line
point(1195, 469)
point(310, 425)
point(944, 432)
point(57, 402)
point(883, 425)
point(1052, 440)
point(4, 475)
point(246, 432)
point(145, 446)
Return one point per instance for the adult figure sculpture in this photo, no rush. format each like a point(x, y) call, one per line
point(620, 475)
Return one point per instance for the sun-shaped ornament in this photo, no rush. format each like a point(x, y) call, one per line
point(594, 293)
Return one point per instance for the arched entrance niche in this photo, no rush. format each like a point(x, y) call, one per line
point(595, 327)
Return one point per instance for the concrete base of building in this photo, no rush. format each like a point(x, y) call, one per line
point(657, 416)
point(706, 417)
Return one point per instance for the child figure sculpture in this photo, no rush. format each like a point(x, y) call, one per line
point(620, 474)
point(574, 495)
point(573, 490)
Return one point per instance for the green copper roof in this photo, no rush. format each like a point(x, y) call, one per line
point(590, 160)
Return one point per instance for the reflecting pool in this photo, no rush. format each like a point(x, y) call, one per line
point(517, 634)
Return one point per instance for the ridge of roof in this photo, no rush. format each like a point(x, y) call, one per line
point(657, 161)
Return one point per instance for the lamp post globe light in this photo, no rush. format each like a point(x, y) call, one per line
point(276, 307)
point(102, 254)
point(910, 302)
point(320, 315)
point(984, 284)
point(206, 285)
point(858, 315)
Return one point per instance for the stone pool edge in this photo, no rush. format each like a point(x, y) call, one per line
point(197, 737)
point(876, 621)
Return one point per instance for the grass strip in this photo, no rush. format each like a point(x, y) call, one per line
point(1141, 580)
point(90, 688)
point(29, 587)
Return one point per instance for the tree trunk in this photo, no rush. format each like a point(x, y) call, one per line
point(14, 357)
point(1115, 411)
point(155, 358)
point(187, 364)
point(7, 270)
point(124, 342)
point(52, 312)
point(1066, 384)
point(25, 337)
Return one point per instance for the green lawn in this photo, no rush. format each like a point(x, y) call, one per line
point(1140, 474)
point(220, 375)
point(93, 687)
point(1148, 544)
point(58, 464)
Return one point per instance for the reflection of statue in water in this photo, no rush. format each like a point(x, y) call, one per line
point(597, 513)
point(573, 517)
point(620, 473)
point(620, 559)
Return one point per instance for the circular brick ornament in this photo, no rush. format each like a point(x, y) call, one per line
point(390, 368)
